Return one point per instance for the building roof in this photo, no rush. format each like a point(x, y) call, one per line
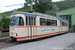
point(66, 9)
point(8, 16)
point(1, 17)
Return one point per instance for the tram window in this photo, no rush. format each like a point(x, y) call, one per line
point(26, 21)
point(30, 21)
point(48, 22)
point(34, 21)
point(64, 24)
point(54, 23)
point(45, 22)
point(13, 21)
point(21, 21)
point(42, 22)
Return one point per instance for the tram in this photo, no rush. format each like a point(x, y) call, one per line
point(26, 26)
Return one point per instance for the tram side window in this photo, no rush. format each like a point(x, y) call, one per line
point(54, 23)
point(49, 22)
point(42, 22)
point(21, 21)
point(26, 21)
point(64, 24)
point(34, 21)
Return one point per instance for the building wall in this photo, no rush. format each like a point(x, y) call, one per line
point(66, 12)
point(71, 12)
point(73, 21)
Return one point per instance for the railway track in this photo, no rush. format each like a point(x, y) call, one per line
point(5, 45)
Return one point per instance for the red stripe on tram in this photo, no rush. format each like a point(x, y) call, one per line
point(39, 35)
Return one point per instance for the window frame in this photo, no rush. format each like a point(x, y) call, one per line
point(46, 22)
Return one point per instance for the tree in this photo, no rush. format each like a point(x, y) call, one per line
point(55, 8)
point(26, 8)
point(53, 11)
point(65, 4)
point(42, 5)
point(50, 12)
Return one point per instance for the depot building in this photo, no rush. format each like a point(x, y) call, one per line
point(69, 15)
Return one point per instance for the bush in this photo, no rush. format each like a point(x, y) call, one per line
point(1, 25)
point(5, 22)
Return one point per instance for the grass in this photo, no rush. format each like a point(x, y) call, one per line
point(4, 37)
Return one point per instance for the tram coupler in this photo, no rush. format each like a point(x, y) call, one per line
point(9, 40)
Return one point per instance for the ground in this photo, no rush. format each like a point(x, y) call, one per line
point(59, 42)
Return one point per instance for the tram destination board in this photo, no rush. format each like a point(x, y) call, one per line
point(30, 15)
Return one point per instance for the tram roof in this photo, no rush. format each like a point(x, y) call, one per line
point(40, 14)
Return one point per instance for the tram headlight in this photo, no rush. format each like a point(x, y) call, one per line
point(11, 33)
point(16, 34)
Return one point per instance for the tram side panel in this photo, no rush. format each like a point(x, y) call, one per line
point(64, 29)
point(59, 25)
point(43, 31)
point(19, 32)
point(47, 31)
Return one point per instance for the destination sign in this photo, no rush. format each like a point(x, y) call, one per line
point(30, 15)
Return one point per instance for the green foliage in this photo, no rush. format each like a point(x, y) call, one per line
point(50, 12)
point(38, 1)
point(5, 22)
point(53, 11)
point(42, 6)
point(65, 4)
point(5, 13)
point(1, 25)
point(26, 8)
point(55, 8)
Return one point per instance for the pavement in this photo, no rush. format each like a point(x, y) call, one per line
point(59, 42)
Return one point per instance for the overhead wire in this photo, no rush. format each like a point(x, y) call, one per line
point(14, 5)
point(11, 3)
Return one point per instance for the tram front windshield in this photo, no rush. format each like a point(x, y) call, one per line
point(13, 21)
point(17, 21)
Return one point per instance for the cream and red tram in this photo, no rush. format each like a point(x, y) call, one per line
point(25, 26)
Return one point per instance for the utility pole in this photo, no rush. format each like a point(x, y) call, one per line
point(31, 6)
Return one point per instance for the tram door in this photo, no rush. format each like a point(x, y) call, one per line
point(31, 22)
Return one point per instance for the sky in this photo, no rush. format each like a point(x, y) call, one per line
point(5, 3)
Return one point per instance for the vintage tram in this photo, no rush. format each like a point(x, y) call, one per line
point(26, 26)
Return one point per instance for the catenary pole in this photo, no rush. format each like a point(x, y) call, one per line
point(31, 5)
